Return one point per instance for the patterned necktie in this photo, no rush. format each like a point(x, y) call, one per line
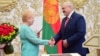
point(66, 22)
point(67, 19)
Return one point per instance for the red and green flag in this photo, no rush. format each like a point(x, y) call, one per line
point(51, 24)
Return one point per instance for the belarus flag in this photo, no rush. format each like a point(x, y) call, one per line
point(51, 24)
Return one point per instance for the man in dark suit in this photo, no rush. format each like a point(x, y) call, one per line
point(72, 31)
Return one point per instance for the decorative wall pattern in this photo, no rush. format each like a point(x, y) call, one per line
point(89, 8)
point(77, 3)
point(7, 5)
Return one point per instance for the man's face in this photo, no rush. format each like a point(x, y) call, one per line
point(66, 9)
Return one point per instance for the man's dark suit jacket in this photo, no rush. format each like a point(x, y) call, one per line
point(74, 33)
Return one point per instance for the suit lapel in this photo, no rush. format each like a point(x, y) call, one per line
point(72, 17)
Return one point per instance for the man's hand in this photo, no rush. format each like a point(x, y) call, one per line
point(65, 43)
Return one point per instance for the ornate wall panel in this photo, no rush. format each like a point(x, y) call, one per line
point(7, 5)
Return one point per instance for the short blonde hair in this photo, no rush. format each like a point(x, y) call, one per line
point(26, 14)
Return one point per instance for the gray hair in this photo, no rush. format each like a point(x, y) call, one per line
point(69, 4)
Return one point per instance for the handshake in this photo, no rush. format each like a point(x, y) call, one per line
point(51, 42)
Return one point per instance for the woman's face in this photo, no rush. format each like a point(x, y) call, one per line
point(30, 20)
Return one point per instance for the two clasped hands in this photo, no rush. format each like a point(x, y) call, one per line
point(51, 42)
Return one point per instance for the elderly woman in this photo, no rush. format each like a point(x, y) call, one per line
point(29, 41)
